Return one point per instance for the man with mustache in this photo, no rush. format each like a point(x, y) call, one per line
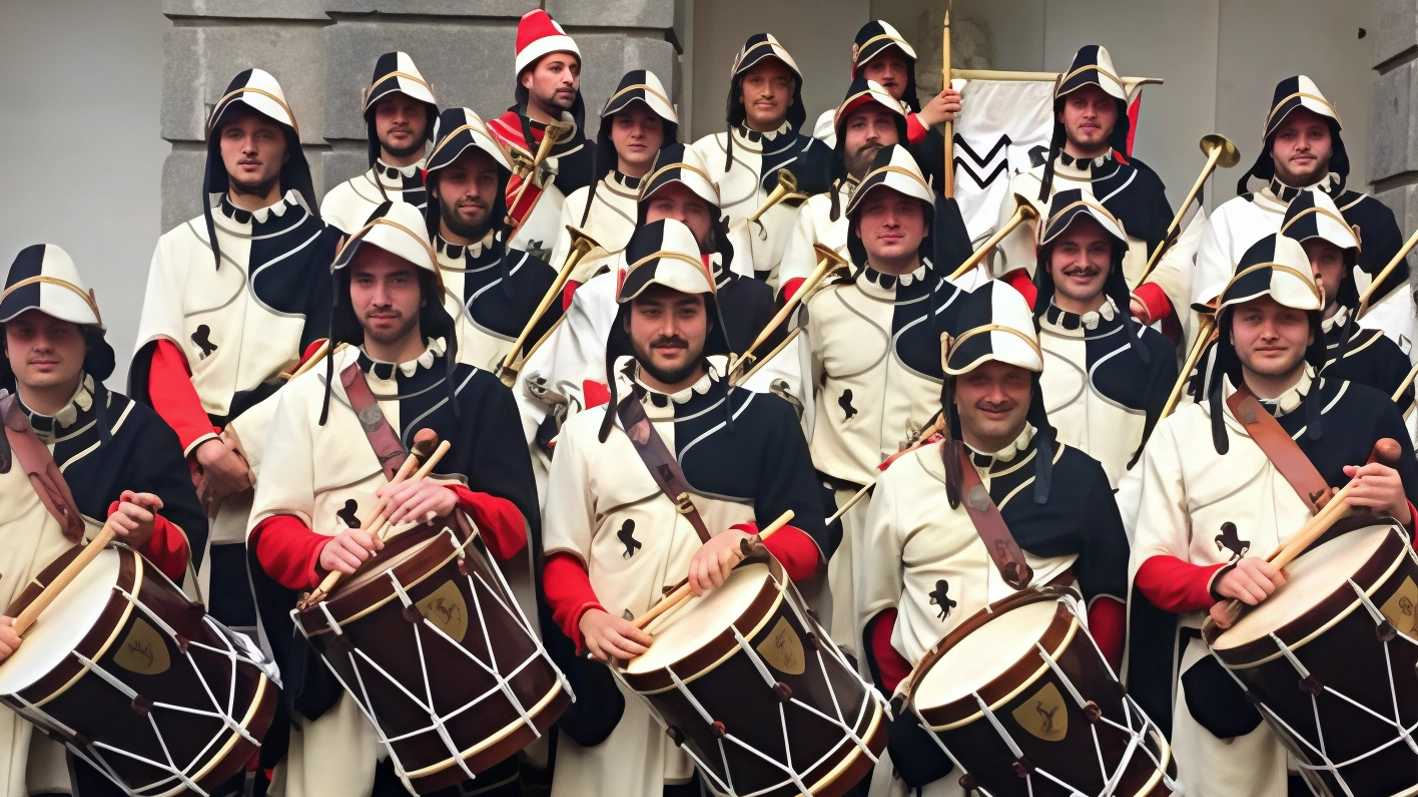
point(399, 111)
point(1090, 139)
point(1106, 377)
point(636, 122)
point(742, 461)
point(234, 297)
point(323, 453)
point(490, 288)
point(1211, 464)
point(925, 565)
point(122, 465)
point(1302, 148)
point(548, 71)
point(765, 118)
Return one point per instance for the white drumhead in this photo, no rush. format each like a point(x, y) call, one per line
point(1312, 578)
point(984, 655)
point(63, 625)
point(689, 626)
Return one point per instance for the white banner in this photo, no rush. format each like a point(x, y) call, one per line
point(999, 122)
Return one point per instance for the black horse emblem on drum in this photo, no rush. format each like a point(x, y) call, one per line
point(137, 648)
point(1046, 717)
point(940, 598)
point(347, 515)
point(202, 337)
point(626, 535)
point(447, 612)
point(1229, 539)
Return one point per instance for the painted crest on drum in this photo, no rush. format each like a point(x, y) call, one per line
point(1401, 608)
point(783, 650)
point(143, 651)
point(446, 609)
point(1044, 714)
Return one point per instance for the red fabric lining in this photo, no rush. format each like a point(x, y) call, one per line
point(1107, 622)
point(567, 291)
point(172, 395)
point(791, 287)
point(1176, 586)
point(594, 394)
point(500, 523)
point(915, 131)
point(1020, 281)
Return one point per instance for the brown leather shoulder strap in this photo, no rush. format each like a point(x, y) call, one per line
point(1282, 450)
point(45, 476)
point(989, 523)
point(663, 466)
point(382, 437)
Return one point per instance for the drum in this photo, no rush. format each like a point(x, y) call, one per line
point(1022, 701)
point(753, 690)
point(429, 642)
point(138, 681)
point(1329, 658)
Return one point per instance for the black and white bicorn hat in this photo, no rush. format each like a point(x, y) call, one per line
point(875, 38)
point(43, 277)
point(1292, 94)
point(637, 85)
point(396, 73)
point(892, 168)
point(1092, 66)
point(257, 90)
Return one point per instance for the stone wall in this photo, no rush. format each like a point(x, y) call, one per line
point(323, 53)
point(1393, 148)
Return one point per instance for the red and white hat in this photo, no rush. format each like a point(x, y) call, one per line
point(537, 35)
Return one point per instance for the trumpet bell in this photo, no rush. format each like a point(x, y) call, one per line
point(1230, 156)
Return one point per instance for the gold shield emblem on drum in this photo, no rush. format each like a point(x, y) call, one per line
point(1044, 714)
point(1401, 608)
point(445, 608)
point(783, 650)
point(143, 651)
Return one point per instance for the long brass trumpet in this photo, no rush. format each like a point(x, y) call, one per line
point(1219, 151)
point(581, 243)
point(1204, 337)
point(828, 261)
point(786, 189)
point(1024, 211)
point(1383, 275)
point(554, 133)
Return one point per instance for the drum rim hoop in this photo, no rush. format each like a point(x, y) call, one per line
point(324, 628)
point(1349, 608)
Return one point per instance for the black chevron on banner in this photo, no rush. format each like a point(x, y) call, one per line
point(1003, 141)
point(961, 166)
point(961, 145)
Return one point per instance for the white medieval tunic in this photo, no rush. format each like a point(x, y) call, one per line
point(1240, 222)
point(747, 181)
point(1098, 393)
point(311, 472)
point(875, 359)
point(606, 510)
point(926, 560)
point(493, 295)
point(610, 223)
point(348, 205)
point(1187, 492)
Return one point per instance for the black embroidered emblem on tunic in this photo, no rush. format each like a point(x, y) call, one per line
point(202, 338)
point(940, 598)
point(845, 402)
point(626, 535)
point(347, 515)
point(1229, 539)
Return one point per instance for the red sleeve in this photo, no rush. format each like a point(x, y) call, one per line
point(1152, 295)
point(568, 592)
point(791, 287)
point(915, 131)
point(567, 291)
point(171, 393)
point(892, 666)
point(310, 351)
point(167, 548)
point(1019, 280)
point(790, 546)
point(1176, 586)
point(1107, 622)
point(500, 523)
point(288, 551)
point(594, 394)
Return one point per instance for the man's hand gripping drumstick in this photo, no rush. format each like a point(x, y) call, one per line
point(1375, 487)
point(607, 636)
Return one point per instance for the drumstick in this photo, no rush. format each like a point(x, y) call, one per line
point(384, 526)
point(66, 576)
point(1387, 452)
point(423, 439)
point(682, 593)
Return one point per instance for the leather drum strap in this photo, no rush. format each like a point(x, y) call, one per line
point(382, 437)
point(45, 476)
point(989, 523)
point(663, 466)
point(1282, 450)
